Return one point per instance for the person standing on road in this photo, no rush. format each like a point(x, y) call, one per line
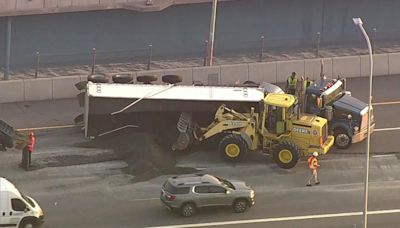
point(291, 84)
point(313, 165)
point(27, 151)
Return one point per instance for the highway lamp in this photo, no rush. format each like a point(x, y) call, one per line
point(210, 49)
point(358, 22)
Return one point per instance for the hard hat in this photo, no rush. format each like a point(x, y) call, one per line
point(315, 154)
point(31, 133)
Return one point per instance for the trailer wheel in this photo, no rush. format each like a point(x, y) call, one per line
point(233, 147)
point(286, 154)
point(122, 78)
point(342, 139)
point(251, 84)
point(97, 78)
point(146, 79)
point(172, 79)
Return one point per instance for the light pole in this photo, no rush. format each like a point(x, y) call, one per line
point(210, 49)
point(358, 22)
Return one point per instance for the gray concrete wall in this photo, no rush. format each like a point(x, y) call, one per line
point(181, 30)
point(273, 72)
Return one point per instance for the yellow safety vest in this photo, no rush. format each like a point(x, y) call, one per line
point(292, 82)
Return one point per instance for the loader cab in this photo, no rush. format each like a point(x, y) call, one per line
point(278, 108)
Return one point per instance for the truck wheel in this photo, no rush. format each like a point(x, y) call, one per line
point(342, 139)
point(286, 154)
point(232, 147)
point(188, 209)
point(240, 205)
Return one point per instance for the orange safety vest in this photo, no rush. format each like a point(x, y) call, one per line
point(31, 144)
point(313, 163)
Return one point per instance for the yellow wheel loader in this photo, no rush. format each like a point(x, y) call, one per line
point(277, 128)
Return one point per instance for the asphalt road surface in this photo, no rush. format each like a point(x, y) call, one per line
point(101, 195)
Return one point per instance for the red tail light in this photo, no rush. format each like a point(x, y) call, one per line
point(170, 197)
point(321, 141)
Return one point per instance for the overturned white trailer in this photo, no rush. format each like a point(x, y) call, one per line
point(109, 107)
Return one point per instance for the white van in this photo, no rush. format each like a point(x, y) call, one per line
point(16, 209)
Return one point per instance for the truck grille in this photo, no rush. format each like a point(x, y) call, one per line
point(364, 121)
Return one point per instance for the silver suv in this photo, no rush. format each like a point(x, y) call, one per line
point(186, 193)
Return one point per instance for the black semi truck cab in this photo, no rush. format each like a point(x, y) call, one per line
point(347, 116)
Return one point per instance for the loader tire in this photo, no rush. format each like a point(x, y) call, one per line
point(232, 147)
point(286, 154)
point(172, 79)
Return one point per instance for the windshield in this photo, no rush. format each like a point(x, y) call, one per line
point(27, 199)
point(226, 183)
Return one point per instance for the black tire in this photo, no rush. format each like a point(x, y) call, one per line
point(188, 209)
point(122, 78)
point(251, 84)
point(97, 78)
point(81, 85)
point(172, 79)
point(342, 139)
point(146, 79)
point(232, 147)
point(27, 224)
point(240, 205)
point(286, 154)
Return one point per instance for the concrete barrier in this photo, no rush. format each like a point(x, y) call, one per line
point(186, 73)
point(349, 66)
point(12, 91)
point(285, 69)
point(207, 75)
point(262, 72)
point(234, 73)
point(38, 89)
point(313, 68)
point(394, 63)
point(64, 87)
point(381, 65)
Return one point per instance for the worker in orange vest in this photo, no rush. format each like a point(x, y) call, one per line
point(27, 151)
point(313, 165)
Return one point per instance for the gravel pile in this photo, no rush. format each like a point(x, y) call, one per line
point(145, 157)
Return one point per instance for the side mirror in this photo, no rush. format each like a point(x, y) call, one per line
point(26, 209)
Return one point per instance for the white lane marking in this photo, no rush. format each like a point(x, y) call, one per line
point(384, 155)
point(386, 103)
point(387, 129)
point(306, 217)
point(148, 199)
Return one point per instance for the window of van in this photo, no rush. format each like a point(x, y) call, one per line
point(18, 205)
